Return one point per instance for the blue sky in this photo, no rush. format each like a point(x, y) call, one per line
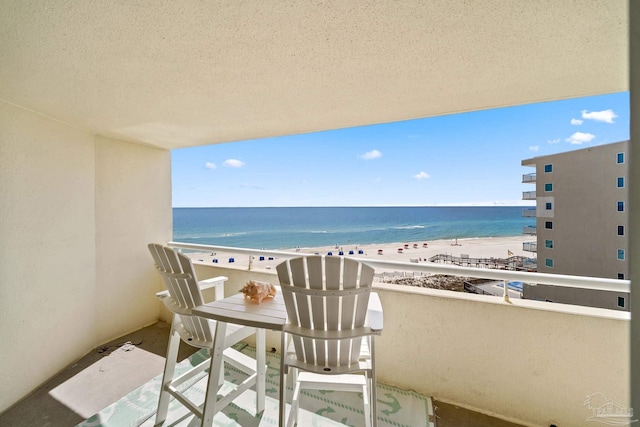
point(463, 159)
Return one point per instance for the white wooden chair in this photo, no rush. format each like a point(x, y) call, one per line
point(327, 301)
point(182, 295)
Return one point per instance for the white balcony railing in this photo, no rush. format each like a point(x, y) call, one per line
point(529, 229)
point(529, 178)
point(528, 195)
point(529, 212)
point(440, 343)
point(530, 246)
point(583, 282)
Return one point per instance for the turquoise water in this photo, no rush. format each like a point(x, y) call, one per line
point(285, 228)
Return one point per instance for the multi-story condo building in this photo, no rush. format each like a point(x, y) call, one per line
point(581, 221)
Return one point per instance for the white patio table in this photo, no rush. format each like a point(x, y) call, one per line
point(270, 314)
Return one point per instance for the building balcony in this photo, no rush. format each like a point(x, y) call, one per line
point(440, 343)
point(529, 212)
point(530, 246)
point(529, 178)
point(528, 195)
point(529, 229)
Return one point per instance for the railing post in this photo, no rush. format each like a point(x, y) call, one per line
point(505, 293)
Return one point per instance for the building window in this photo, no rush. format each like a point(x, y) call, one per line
point(548, 262)
point(621, 254)
point(620, 276)
point(620, 182)
point(620, 158)
point(548, 206)
point(548, 244)
point(621, 302)
point(620, 206)
point(548, 225)
point(621, 230)
point(548, 168)
point(548, 186)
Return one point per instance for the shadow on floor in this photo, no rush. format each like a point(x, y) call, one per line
point(87, 386)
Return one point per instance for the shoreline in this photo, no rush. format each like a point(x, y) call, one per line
point(474, 247)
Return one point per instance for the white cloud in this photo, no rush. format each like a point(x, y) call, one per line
point(605, 116)
point(580, 138)
point(421, 175)
point(554, 141)
point(534, 148)
point(210, 165)
point(370, 155)
point(576, 122)
point(233, 163)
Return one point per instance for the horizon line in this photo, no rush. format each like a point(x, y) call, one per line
point(361, 206)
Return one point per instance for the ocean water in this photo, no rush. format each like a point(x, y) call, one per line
point(286, 228)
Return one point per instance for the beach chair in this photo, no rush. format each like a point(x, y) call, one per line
point(333, 318)
point(182, 295)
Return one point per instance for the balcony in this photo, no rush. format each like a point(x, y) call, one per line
point(530, 246)
point(528, 195)
point(493, 331)
point(529, 212)
point(444, 372)
point(529, 178)
point(87, 140)
point(529, 229)
point(541, 353)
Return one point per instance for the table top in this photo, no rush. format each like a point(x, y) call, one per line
point(271, 313)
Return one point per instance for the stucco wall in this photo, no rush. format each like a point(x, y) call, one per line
point(520, 361)
point(133, 208)
point(76, 212)
point(47, 254)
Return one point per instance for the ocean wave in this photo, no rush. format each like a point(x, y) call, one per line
point(211, 235)
point(408, 227)
point(240, 233)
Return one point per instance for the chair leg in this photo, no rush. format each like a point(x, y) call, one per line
point(261, 369)
point(295, 405)
point(373, 391)
point(169, 370)
point(283, 382)
point(215, 372)
point(366, 399)
point(293, 374)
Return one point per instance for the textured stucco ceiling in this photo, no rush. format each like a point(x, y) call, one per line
point(183, 73)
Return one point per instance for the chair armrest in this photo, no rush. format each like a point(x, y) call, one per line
point(329, 335)
point(162, 294)
point(214, 282)
point(210, 283)
point(374, 312)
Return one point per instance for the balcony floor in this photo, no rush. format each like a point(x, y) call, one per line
point(93, 383)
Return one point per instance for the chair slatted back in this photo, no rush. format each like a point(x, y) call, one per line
point(326, 294)
point(180, 279)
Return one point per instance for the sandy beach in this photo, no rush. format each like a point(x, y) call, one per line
point(482, 247)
